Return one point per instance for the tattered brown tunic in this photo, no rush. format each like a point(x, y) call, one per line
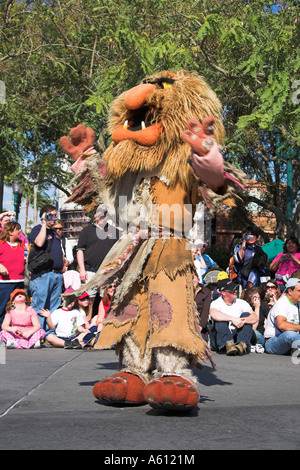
point(159, 309)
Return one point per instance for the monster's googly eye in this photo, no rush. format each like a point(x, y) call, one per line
point(162, 82)
point(166, 85)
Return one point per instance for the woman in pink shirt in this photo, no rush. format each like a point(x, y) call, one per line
point(21, 327)
point(12, 263)
point(286, 262)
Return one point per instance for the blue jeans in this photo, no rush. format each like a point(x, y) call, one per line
point(259, 337)
point(46, 293)
point(283, 343)
point(220, 334)
point(6, 288)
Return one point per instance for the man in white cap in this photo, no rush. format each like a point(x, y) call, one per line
point(282, 332)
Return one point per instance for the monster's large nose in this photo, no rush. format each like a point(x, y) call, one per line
point(136, 96)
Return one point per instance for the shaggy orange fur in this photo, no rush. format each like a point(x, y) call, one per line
point(188, 97)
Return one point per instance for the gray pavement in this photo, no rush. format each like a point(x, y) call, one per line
point(46, 402)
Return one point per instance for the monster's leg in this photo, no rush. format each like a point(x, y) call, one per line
point(127, 386)
point(175, 387)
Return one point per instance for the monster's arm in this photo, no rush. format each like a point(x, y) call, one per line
point(207, 161)
point(88, 167)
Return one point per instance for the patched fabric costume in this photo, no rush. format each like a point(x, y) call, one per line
point(164, 159)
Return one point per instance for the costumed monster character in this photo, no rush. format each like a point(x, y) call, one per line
point(164, 158)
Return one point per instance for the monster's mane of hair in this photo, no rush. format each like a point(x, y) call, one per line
point(189, 97)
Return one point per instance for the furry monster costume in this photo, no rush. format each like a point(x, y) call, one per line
point(164, 158)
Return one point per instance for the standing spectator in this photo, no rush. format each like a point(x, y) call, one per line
point(286, 262)
point(91, 248)
point(9, 217)
point(232, 321)
point(244, 253)
point(210, 263)
point(70, 275)
point(12, 263)
point(46, 285)
point(199, 262)
point(6, 217)
point(203, 300)
point(95, 241)
point(21, 328)
point(283, 324)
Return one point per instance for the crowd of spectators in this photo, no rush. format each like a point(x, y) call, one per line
point(252, 306)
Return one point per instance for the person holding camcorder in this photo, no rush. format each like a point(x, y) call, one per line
point(45, 264)
point(244, 253)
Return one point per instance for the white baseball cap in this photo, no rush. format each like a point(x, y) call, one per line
point(292, 282)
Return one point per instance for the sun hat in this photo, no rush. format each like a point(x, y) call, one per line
point(222, 275)
point(83, 296)
point(16, 292)
point(199, 242)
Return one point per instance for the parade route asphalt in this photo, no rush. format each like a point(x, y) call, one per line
point(46, 402)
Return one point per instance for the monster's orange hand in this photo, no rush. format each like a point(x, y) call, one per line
point(207, 160)
point(80, 146)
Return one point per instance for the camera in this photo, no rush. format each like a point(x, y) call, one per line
point(249, 237)
point(50, 216)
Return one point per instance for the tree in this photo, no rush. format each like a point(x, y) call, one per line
point(75, 56)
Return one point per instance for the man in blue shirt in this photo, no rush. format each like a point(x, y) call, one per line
point(46, 285)
point(210, 263)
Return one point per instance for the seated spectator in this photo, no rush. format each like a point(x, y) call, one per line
point(216, 293)
point(203, 300)
point(65, 324)
point(286, 262)
point(104, 305)
point(232, 321)
point(260, 272)
point(271, 293)
point(296, 273)
point(84, 305)
point(254, 296)
point(282, 333)
point(21, 327)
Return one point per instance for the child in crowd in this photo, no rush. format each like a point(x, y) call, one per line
point(66, 323)
point(21, 327)
point(104, 306)
point(96, 323)
point(84, 305)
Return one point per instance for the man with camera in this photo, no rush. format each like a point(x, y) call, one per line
point(45, 263)
point(244, 253)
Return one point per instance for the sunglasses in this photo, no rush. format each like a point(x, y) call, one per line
point(271, 287)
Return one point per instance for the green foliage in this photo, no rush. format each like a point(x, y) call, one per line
point(64, 62)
